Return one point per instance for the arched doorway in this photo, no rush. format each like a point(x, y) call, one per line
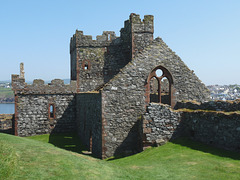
point(159, 86)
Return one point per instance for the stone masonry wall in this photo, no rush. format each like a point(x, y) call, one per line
point(220, 129)
point(95, 62)
point(160, 124)
point(33, 104)
point(89, 121)
point(141, 32)
point(226, 106)
point(214, 128)
point(124, 96)
point(56, 86)
point(32, 114)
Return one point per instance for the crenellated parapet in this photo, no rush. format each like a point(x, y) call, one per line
point(38, 86)
point(142, 26)
point(135, 24)
point(81, 40)
point(137, 33)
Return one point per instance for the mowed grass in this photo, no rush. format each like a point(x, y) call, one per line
point(23, 158)
point(34, 158)
point(183, 159)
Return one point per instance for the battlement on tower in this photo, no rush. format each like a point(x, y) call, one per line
point(135, 24)
point(81, 40)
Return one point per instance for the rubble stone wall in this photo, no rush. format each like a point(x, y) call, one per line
point(214, 128)
point(38, 86)
point(141, 32)
point(32, 114)
point(124, 96)
point(160, 124)
point(226, 106)
point(89, 121)
point(95, 62)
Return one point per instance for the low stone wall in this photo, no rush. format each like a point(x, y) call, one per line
point(220, 129)
point(214, 128)
point(226, 106)
point(6, 122)
point(160, 124)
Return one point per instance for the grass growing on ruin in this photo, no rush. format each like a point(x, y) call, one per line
point(25, 158)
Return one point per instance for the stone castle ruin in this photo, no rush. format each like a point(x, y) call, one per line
point(122, 94)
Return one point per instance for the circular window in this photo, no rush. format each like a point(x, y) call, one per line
point(159, 73)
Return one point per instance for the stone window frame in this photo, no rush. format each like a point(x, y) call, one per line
point(152, 74)
point(86, 63)
point(53, 116)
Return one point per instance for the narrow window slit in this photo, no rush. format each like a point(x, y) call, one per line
point(51, 112)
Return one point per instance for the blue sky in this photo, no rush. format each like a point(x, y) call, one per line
point(205, 34)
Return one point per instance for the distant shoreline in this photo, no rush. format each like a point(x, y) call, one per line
point(7, 102)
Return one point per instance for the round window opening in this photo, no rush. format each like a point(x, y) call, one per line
point(159, 73)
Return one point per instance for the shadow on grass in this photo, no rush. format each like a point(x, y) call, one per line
point(206, 148)
point(68, 141)
point(120, 156)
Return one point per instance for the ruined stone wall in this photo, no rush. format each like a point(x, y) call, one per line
point(43, 108)
point(227, 106)
point(220, 129)
point(141, 32)
point(32, 114)
point(95, 62)
point(124, 96)
point(214, 128)
point(89, 121)
point(38, 86)
point(160, 124)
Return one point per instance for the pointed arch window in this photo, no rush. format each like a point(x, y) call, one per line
point(159, 86)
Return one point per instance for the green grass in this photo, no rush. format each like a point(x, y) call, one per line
point(29, 159)
point(33, 158)
point(68, 141)
point(6, 93)
point(183, 159)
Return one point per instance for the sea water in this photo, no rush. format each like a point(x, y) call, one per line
point(7, 108)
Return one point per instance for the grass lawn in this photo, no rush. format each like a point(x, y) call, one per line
point(33, 158)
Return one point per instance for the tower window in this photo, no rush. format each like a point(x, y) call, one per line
point(51, 111)
point(86, 65)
